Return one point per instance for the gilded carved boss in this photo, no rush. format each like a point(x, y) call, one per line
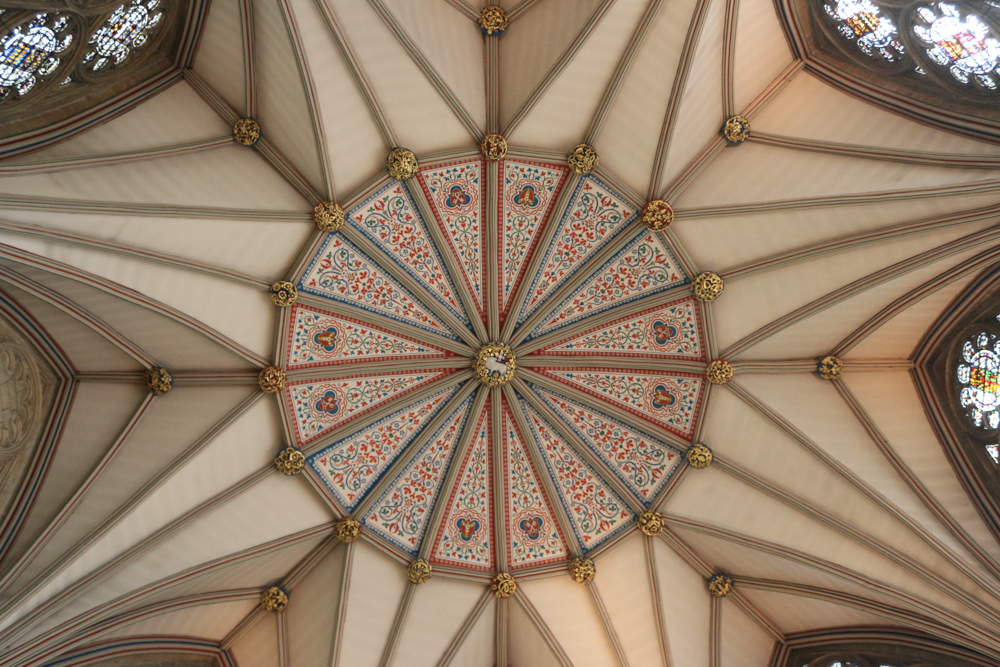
point(503, 585)
point(720, 585)
point(246, 131)
point(290, 461)
point(708, 286)
point(495, 364)
point(582, 570)
point(650, 523)
point(272, 380)
point(493, 147)
point(347, 530)
point(699, 456)
point(328, 216)
point(283, 293)
point(158, 380)
point(583, 159)
point(273, 599)
point(830, 368)
point(419, 571)
point(736, 130)
point(401, 164)
point(719, 371)
point(657, 215)
point(493, 20)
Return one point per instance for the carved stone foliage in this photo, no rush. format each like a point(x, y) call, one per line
point(27, 386)
point(66, 56)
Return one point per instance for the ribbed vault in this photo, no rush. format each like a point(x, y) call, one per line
point(838, 227)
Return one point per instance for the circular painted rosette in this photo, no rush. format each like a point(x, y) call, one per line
point(418, 363)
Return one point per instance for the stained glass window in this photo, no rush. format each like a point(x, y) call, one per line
point(994, 452)
point(963, 44)
point(862, 20)
point(979, 378)
point(127, 29)
point(30, 52)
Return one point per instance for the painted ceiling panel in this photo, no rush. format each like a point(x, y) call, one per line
point(221, 54)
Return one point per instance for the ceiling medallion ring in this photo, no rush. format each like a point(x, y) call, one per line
point(736, 129)
point(657, 215)
point(583, 159)
point(329, 216)
point(495, 364)
point(493, 147)
point(493, 20)
point(401, 163)
point(247, 131)
point(503, 585)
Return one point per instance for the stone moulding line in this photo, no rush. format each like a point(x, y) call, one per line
point(309, 87)
point(458, 641)
point(29, 651)
point(109, 159)
point(62, 206)
point(132, 296)
point(136, 500)
point(729, 59)
point(364, 87)
point(557, 68)
point(838, 469)
point(621, 71)
point(543, 628)
point(132, 252)
point(249, 44)
point(657, 595)
point(958, 161)
point(609, 628)
point(863, 284)
point(428, 70)
point(78, 313)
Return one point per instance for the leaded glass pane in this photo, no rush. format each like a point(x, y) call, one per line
point(127, 29)
point(29, 52)
point(863, 21)
point(961, 43)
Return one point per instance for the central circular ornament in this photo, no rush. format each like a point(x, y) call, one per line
point(495, 364)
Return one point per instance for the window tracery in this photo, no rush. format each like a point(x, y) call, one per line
point(128, 28)
point(955, 43)
point(875, 649)
point(32, 51)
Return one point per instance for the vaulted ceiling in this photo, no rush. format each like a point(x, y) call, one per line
point(151, 241)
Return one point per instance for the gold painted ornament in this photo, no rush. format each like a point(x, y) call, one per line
point(493, 20)
point(651, 523)
point(328, 216)
point(283, 293)
point(273, 599)
point(657, 215)
point(495, 364)
point(698, 456)
point(720, 585)
point(583, 159)
point(830, 368)
point(419, 571)
point(503, 585)
point(582, 570)
point(272, 380)
point(719, 371)
point(708, 286)
point(347, 530)
point(736, 130)
point(246, 131)
point(158, 380)
point(290, 461)
point(493, 147)
point(401, 164)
